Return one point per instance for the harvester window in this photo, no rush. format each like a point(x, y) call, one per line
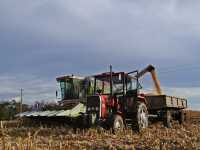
point(78, 91)
point(70, 89)
point(63, 87)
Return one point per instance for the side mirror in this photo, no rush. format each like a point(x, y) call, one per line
point(139, 86)
point(56, 94)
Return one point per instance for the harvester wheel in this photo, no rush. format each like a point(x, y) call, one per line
point(117, 123)
point(167, 119)
point(140, 120)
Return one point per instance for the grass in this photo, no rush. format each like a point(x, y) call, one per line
point(61, 138)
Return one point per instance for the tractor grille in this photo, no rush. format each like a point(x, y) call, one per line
point(93, 104)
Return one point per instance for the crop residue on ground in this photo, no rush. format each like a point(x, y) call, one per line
point(59, 138)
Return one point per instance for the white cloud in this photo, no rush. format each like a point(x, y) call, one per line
point(183, 91)
point(16, 99)
point(34, 88)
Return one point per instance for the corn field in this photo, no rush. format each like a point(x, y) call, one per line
point(156, 137)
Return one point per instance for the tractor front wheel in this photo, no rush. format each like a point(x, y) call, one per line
point(117, 123)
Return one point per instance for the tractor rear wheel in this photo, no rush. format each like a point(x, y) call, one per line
point(140, 120)
point(117, 123)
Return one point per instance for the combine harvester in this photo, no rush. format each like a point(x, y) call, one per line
point(113, 101)
point(74, 91)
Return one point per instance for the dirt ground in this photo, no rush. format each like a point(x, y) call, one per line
point(61, 138)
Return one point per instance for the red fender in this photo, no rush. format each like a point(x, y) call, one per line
point(141, 97)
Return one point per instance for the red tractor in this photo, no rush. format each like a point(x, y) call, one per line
point(117, 101)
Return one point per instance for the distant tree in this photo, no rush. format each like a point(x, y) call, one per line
point(8, 110)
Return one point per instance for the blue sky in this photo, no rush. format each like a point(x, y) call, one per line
point(42, 39)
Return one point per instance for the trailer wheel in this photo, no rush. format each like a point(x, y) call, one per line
point(140, 120)
point(181, 117)
point(117, 123)
point(167, 119)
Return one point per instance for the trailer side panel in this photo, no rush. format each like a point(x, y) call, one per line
point(156, 102)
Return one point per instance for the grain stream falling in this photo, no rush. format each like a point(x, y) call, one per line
point(156, 82)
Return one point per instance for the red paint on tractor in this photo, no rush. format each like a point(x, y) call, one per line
point(141, 98)
point(103, 108)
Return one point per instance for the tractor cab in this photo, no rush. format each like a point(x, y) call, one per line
point(116, 84)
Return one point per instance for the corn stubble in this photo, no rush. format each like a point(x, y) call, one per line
point(59, 138)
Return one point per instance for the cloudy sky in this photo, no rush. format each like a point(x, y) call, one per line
point(42, 39)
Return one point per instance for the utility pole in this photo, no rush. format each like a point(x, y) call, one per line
point(21, 99)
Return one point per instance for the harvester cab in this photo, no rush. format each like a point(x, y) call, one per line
point(117, 101)
point(73, 89)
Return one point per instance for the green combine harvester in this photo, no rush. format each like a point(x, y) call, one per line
point(74, 91)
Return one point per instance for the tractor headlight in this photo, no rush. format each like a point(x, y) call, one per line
point(93, 108)
point(88, 108)
point(97, 108)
